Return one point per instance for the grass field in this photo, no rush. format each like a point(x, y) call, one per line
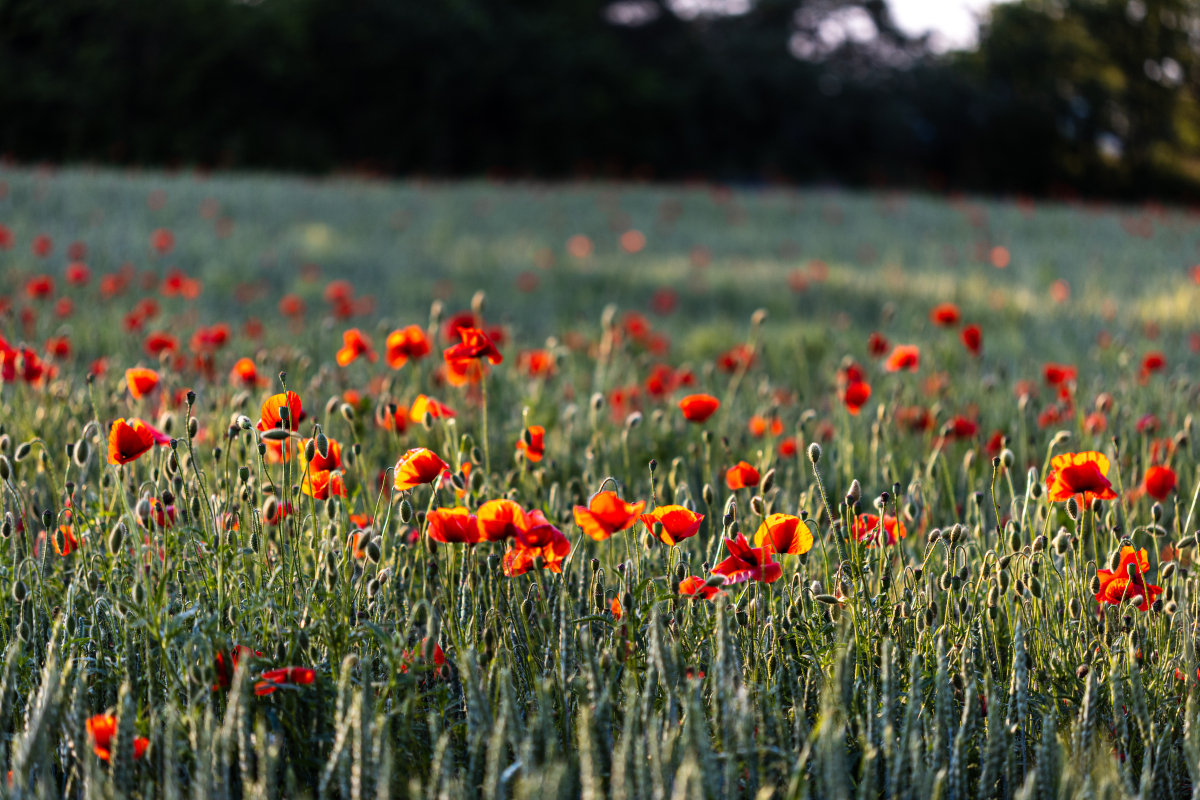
point(956, 435)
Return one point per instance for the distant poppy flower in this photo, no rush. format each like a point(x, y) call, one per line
point(354, 344)
point(758, 426)
point(1148, 424)
point(453, 526)
point(162, 241)
point(210, 339)
point(42, 245)
point(698, 407)
point(321, 485)
point(678, 523)
point(877, 345)
point(1095, 423)
point(1159, 481)
point(141, 381)
point(1117, 587)
point(747, 563)
point(606, 514)
point(439, 657)
point(785, 534)
point(540, 541)
point(159, 341)
point(78, 274)
point(128, 441)
point(692, 586)
point(739, 356)
point(269, 416)
point(945, 315)
point(972, 339)
point(245, 373)
point(406, 343)
point(7, 239)
point(855, 396)
point(291, 305)
point(475, 344)
point(419, 465)
point(866, 529)
point(102, 729)
point(39, 287)
point(1152, 362)
point(64, 541)
point(1056, 374)
point(226, 665)
point(960, 428)
point(58, 347)
point(536, 448)
point(741, 476)
point(1073, 474)
point(338, 291)
point(536, 363)
point(787, 447)
point(903, 357)
point(64, 307)
point(178, 284)
point(425, 404)
point(278, 678)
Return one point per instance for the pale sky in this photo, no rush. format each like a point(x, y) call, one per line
point(953, 21)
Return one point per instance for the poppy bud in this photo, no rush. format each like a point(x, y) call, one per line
point(526, 437)
point(22, 453)
point(373, 587)
point(1035, 587)
point(477, 302)
point(633, 420)
point(1171, 607)
point(714, 581)
point(1073, 509)
point(814, 452)
point(275, 434)
point(406, 511)
point(373, 552)
point(322, 444)
point(1060, 438)
point(244, 423)
point(1003, 579)
point(757, 506)
point(347, 412)
point(1094, 584)
point(6, 527)
point(5, 468)
point(855, 491)
point(310, 450)
point(768, 482)
point(1168, 570)
point(1039, 544)
point(5, 443)
point(597, 402)
point(19, 591)
point(653, 465)
point(115, 537)
point(1156, 511)
point(827, 599)
point(193, 427)
point(708, 494)
point(270, 507)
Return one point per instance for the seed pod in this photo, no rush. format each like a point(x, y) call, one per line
point(1168, 570)
point(1156, 511)
point(1094, 584)
point(1007, 458)
point(827, 599)
point(244, 422)
point(1039, 544)
point(80, 453)
point(1035, 587)
point(139, 594)
point(5, 468)
point(715, 581)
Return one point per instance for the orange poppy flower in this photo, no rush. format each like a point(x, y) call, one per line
point(461, 372)
point(323, 484)
point(355, 343)
point(1079, 473)
point(741, 476)
point(331, 460)
point(698, 407)
point(503, 519)
point(128, 441)
point(785, 534)
point(245, 372)
point(422, 404)
point(1159, 482)
point(278, 678)
point(544, 541)
point(678, 523)
point(537, 445)
point(692, 586)
point(536, 363)
point(419, 465)
point(904, 357)
point(972, 339)
point(945, 315)
point(748, 563)
point(855, 396)
point(269, 413)
point(1116, 586)
point(406, 343)
point(475, 344)
point(102, 728)
point(606, 514)
point(866, 529)
point(141, 381)
point(453, 526)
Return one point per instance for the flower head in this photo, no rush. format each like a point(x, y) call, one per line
point(355, 343)
point(129, 440)
point(785, 534)
point(945, 315)
point(102, 729)
point(1117, 586)
point(698, 407)
point(606, 514)
point(904, 357)
point(747, 563)
point(741, 476)
point(678, 523)
point(1159, 481)
point(1079, 473)
point(406, 343)
point(453, 526)
point(141, 381)
point(866, 529)
point(692, 586)
point(535, 448)
point(419, 465)
point(283, 677)
point(475, 344)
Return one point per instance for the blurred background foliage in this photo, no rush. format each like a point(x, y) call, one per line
point(1071, 96)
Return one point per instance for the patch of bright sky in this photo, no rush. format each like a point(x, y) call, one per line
point(954, 23)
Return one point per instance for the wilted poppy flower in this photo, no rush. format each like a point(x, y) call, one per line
point(39, 287)
point(158, 341)
point(323, 485)
point(741, 475)
point(678, 523)
point(141, 381)
point(245, 372)
point(945, 315)
point(278, 678)
point(453, 526)
point(972, 339)
point(698, 407)
point(855, 396)
point(904, 357)
point(406, 343)
point(102, 729)
point(747, 563)
point(419, 465)
point(540, 541)
point(785, 534)
point(128, 441)
point(1159, 482)
point(78, 274)
point(1056, 374)
point(692, 586)
point(606, 514)
point(1079, 473)
point(475, 344)
point(354, 344)
point(866, 529)
point(877, 345)
point(535, 448)
point(1117, 587)
point(425, 404)
point(269, 416)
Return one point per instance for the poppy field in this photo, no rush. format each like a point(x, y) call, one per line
point(347, 488)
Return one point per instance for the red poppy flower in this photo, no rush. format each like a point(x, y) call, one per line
point(945, 315)
point(141, 381)
point(354, 344)
point(678, 523)
point(866, 529)
point(877, 345)
point(961, 428)
point(323, 485)
point(102, 729)
point(741, 475)
point(42, 245)
point(225, 666)
point(128, 441)
point(536, 448)
point(58, 347)
point(855, 396)
point(1056, 374)
point(504, 519)
point(453, 526)
point(1152, 362)
point(536, 363)
point(64, 541)
point(698, 407)
point(606, 514)
point(162, 241)
point(178, 284)
point(747, 563)
point(269, 416)
point(6, 238)
point(419, 465)
point(692, 586)
point(475, 344)
point(245, 372)
point(1159, 482)
point(331, 460)
point(404, 344)
point(739, 356)
point(39, 287)
point(78, 274)
point(291, 305)
point(1095, 423)
point(972, 339)
point(439, 657)
point(788, 448)
point(904, 357)
point(285, 676)
point(1079, 473)
point(208, 340)
point(1117, 587)
point(159, 341)
point(540, 541)
point(425, 404)
point(785, 534)
point(1149, 424)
